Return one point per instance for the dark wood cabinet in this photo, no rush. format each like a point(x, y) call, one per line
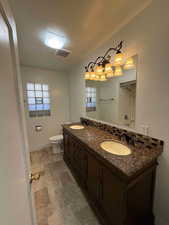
point(112, 197)
point(116, 201)
point(93, 186)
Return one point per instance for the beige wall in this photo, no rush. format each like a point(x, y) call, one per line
point(58, 84)
point(146, 35)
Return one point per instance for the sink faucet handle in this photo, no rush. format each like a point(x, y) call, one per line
point(124, 138)
point(127, 139)
point(132, 140)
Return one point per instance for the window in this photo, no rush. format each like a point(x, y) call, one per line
point(38, 99)
point(90, 99)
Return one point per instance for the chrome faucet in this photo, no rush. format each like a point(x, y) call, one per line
point(129, 140)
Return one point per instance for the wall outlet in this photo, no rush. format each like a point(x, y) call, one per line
point(145, 129)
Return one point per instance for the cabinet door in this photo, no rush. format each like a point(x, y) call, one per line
point(80, 162)
point(84, 169)
point(111, 197)
point(66, 146)
point(77, 158)
point(92, 178)
point(72, 152)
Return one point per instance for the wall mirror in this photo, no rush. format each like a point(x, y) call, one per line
point(114, 100)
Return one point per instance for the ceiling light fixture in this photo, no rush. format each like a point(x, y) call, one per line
point(103, 68)
point(54, 41)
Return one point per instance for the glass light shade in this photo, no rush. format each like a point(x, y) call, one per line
point(129, 64)
point(93, 75)
point(103, 77)
point(108, 68)
point(118, 59)
point(110, 74)
point(99, 70)
point(87, 75)
point(118, 71)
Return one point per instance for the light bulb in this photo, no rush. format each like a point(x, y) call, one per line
point(103, 77)
point(118, 71)
point(129, 64)
point(97, 78)
point(110, 74)
point(93, 75)
point(118, 59)
point(87, 75)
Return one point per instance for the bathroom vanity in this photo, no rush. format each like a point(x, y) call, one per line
point(119, 188)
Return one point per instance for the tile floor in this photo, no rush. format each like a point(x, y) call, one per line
point(58, 198)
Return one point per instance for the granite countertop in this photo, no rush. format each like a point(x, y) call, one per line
point(129, 165)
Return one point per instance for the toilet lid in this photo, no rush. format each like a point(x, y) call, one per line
point(56, 138)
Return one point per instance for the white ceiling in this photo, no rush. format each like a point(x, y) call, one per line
point(86, 24)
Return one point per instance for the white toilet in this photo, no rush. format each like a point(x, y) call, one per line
point(57, 143)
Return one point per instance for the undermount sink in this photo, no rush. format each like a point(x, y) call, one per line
point(115, 148)
point(77, 127)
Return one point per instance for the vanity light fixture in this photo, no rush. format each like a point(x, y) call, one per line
point(103, 67)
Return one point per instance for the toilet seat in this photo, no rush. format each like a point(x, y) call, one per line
point(56, 138)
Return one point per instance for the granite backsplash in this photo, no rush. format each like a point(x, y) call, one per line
point(133, 138)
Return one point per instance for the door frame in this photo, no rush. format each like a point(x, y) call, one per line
point(20, 106)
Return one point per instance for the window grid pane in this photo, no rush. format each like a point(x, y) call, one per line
point(38, 93)
point(38, 87)
point(31, 94)
point(45, 87)
point(30, 86)
point(45, 94)
point(31, 100)
point(46, 100)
